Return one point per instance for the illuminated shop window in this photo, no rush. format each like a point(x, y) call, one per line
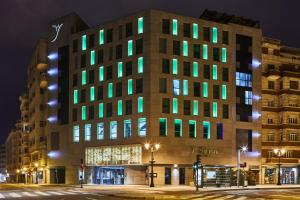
point(204, 52)
point(76, 133)
point(185, 49)
point(142, 129)
point(110, 90)
point(140, 104)
point(206, 130)
point(205, 89)
point(129, 47)
point(75, 96)
point(215, 72)
point(185, 87)
point(178, 127)
point(83, 113)
point(87, 132)
point(120, 69)
point(113, 130)
point(83, 77)
point(192, 129)
point(243, 79)
point(176, 87)
point(215, 109)
point(101, 110)
point(195, 31)
point(248, 97)
point(195, 107)
point(175, 66)
point(120, 107)
point(92, 61)
point(127, 128)
point(100, 131)
point(140, 25)
point(163, 127)
point(174, 27)
point(101, 37)
point(129, 86)
point(195, 69)
point(101, 73)
point(215, 35)
point(224, 92)
point(83, 42)
point(223, 55)
point(175, 105)
point(140, 65)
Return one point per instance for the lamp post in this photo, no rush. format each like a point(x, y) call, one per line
point(241, 149)
point(279, 153)
point(24, 169)
point(36, 172)
point(152, 148)
point(17, 171)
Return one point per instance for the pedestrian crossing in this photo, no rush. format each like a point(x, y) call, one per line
point(35, 193)
point(221, 197)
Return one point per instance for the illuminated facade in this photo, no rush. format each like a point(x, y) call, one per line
point(280, 111)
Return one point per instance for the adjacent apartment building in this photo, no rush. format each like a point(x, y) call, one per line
point(280, 111)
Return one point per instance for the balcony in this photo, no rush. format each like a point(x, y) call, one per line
point(272, 74)
point(282, 160)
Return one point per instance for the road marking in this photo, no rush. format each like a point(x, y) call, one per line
point(1, 196)
point(224, 197)
point(66, 192)
point(90, 198)
point(42, 193)
point(13, 194)
point(56, 193)
point(29, 194)
point(212, 196)
point(241, 198)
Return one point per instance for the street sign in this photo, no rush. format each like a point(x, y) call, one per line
point(243, 164)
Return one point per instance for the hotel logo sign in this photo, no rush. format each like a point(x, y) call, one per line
point(56, 28)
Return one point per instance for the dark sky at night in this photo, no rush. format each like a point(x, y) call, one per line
point(23, 22)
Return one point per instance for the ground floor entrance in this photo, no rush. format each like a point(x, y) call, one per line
point(288, 175)
point(109, 175)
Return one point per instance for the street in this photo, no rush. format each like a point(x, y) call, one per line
point(24, 192)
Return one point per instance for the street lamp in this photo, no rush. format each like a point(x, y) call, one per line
point(36, 172)
point(279, 153)
point(17, 171)
point(241, 149)
point(152, 148)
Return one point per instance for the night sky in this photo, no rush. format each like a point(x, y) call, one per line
point(23, 22)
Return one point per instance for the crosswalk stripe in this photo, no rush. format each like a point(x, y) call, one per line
point(42, 193)
point(241, 198)
point(13, 194)
point(56, 193)
point(224, 197)
point(66, 192)
point(1, 196)
point(29, 194)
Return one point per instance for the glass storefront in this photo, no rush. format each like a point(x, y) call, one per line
point(288, 175)
point(109, 175)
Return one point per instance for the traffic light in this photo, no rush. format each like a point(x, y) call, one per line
point(81, 164)
point(195, 166)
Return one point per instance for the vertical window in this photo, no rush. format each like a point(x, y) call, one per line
point(215, 72)
point(178, 127)
point(140, 65)
point(220, 134)
point(83, 113)
point(176, 87)
point(185, 48)
point(192, 128)
point(110, 90)
point(87, 132)
point(101, 73)
point(206, 130)
point(92, 59)
point(175, 66)
point(129, 87)
point(174, 27)
point(113, 130)
point(204, 52)
point(76, 133)
point(163, 127)
point(92, 93)
point(185, 87)
point(83, 77)
point(215, 35)
point(224, 55)
point(129, 48)
point(120, 107)
point(248, 97)
point(101, 110)
point(140, 25)
point(83, 42)
point(100, 131)
point(120, 69)
point(195, 107)
point(140, 104)
point(195, 31)
point(101, 37)
point(224, 92)
point(175, 105)
point(215, 109)
point(127, 128)
point(142, 129)
point(75, 96)
point(195, 69)
point(205, 89)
